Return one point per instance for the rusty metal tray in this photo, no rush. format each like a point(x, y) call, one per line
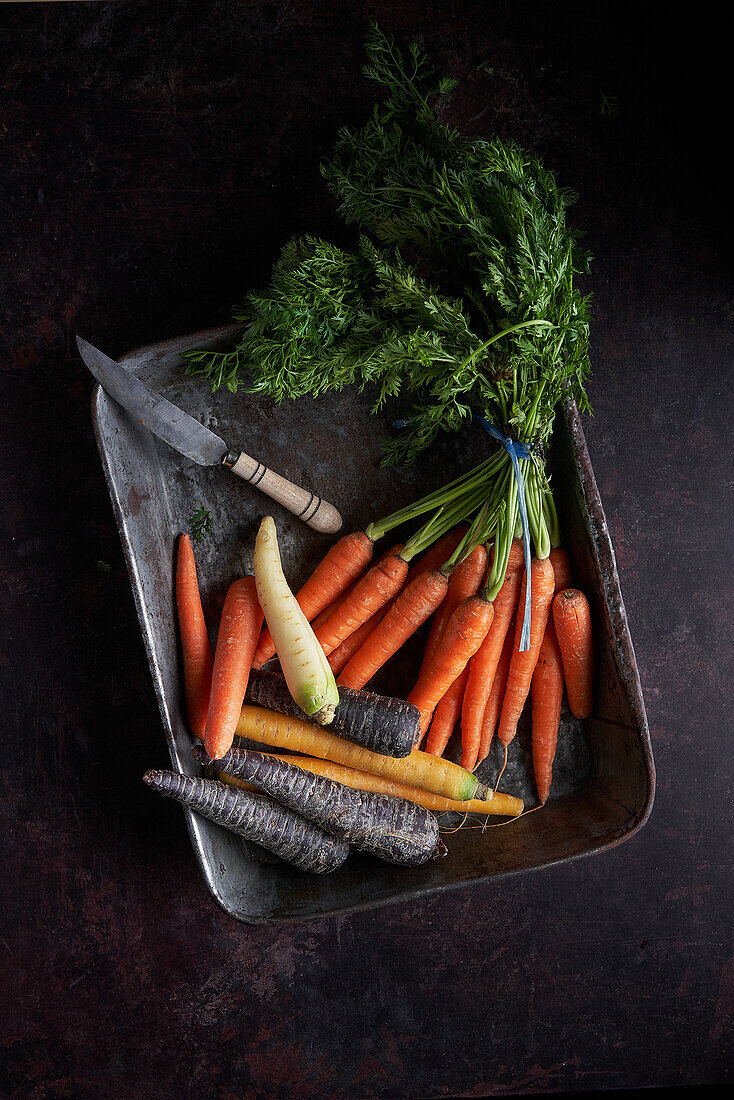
point(604, 775)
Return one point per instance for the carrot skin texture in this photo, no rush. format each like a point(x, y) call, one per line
point(439, 553)
point(572, 620)
point(324, 615)
point(385, 725)
point(238, 630)
point(411, 608)
point(256, 817)
point(522, 665)
point(378, 722)
point(417, 770)
point(445, 717)
point(464, 633)
point(561, 568)
point(369, 594)
point(392, 828)
point(196, 650)
point(484, 663)
point(303, 664)
point(340, 657)
point(465, 581)
point(547, 695)
point(340, 567)
point(497, 805)
point(496, 695)
point(315, 623)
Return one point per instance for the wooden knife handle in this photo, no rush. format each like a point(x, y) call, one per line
point(314, 511)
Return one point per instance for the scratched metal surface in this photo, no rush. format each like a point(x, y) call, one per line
point(154, 156)
point(603, 777)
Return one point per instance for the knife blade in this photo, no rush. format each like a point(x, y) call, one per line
point(190, 438)
point(155, 412)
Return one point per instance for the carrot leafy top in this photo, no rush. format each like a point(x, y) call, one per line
point(459, 291)
point(458, 296)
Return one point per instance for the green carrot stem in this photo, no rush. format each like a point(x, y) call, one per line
point(444, 519)
point(536, 516)
point(498, 336)
point(532, 503)
point(504, 536)
point(430, 532)
point(531, 422)
point(479, 476)
point(482, 529)
point(551, 518)
point(469, 541)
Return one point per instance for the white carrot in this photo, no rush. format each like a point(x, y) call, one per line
point(305, 668)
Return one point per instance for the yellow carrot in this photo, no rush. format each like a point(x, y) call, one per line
point(419, 769)
point(501, 805)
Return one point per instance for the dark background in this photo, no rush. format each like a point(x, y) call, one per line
point(154, 157)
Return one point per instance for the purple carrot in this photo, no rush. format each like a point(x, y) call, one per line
point(258, 818)
point(391, 828)
point(380, 723)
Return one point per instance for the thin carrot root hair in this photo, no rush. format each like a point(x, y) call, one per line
point(501, 773)
point(496, 824)
point(447, 832)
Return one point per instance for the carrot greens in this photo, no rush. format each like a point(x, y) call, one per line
point(201, 523)
point(458, 297)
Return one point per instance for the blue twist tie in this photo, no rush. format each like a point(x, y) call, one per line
point(517, 450)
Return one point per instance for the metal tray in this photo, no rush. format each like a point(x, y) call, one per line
point(604, 775)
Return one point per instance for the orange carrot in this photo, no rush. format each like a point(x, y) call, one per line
point(340, 657)
point(497, 694)
point(484, 663)
point(446, 716)
point(572, 618)
point(547, 694)
point(464, 633)
point(197, 653)
point(547, 687)
point(465, 581)
point(416, 603)
point(561, 568)
point(370, 593)
point(331, 577)
point(238, 630)
point(523, 664)
point(439, 553)
point(324, 615)
point(432, 559)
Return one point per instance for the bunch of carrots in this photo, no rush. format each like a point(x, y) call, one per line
point(491, 687)
point(354, 614)
point(473, 669)
point(217, 686)
point(331, 616)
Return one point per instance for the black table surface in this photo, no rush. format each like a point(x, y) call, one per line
point(154, 157)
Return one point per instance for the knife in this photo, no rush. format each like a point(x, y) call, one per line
point(190, 438)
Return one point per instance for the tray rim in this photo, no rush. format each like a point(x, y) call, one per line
point(623, 639)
